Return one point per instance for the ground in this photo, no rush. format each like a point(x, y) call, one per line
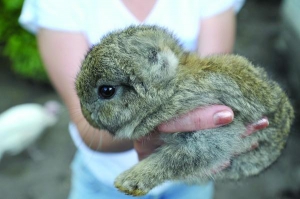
point(22, 177)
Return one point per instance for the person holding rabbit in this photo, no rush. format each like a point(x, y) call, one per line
point(66, 30)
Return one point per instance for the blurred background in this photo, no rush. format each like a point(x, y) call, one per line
point(268, 34)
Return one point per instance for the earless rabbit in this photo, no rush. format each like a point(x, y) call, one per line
point(137, 78)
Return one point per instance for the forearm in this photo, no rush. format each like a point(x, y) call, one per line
point(217, 34)
point(62, 54)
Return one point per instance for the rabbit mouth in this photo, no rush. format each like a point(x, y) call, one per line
point(93, 121)
point(87, 115)
point(141, 126)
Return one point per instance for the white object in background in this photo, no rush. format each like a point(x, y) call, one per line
point(21, 125)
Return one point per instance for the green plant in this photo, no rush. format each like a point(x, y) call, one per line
point(19, 45)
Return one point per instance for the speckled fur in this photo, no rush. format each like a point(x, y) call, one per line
point(157, 80)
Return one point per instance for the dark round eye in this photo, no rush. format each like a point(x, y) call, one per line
point(106, 91)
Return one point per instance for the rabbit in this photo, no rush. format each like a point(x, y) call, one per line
point(139, 77)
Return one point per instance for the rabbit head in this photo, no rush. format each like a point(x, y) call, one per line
point(126, 78)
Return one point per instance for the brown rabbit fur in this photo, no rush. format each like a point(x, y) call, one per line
point(137, 78)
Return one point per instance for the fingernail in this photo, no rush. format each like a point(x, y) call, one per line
point(261, 124)
point(223, 117)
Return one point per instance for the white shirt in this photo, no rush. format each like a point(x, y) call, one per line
point(96, 18)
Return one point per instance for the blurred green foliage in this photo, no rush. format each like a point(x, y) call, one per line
point(19, 45)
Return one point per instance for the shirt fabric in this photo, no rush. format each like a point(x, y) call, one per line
point(96, 18)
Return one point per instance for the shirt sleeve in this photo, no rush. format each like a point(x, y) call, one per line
point(209, 8)
point(64, 15)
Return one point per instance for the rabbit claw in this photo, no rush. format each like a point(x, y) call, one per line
point(132, 184)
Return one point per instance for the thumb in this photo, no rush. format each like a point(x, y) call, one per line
point(201, 118)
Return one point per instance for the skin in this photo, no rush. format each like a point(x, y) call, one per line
point(69, 49)
point(146, 145)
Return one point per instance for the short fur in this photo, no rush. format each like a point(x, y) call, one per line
point(156, 80)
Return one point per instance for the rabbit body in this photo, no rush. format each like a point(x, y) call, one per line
point(137, 78)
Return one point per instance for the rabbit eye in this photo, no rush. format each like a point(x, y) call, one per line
point(106, 91)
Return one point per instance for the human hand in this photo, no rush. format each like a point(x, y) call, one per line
point(198, 119)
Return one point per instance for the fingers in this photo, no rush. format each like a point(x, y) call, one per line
point(225, 165)
point(261, 124)
point(147, 144)
point(201, 118)
point(198, 119)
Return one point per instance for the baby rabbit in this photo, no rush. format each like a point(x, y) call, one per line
point(140, 77)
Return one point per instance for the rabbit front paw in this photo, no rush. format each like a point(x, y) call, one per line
point(135, 182)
